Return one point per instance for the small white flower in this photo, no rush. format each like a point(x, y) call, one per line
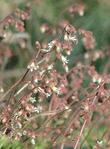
point(50, 45)
point(1, 90)
point(35, 90)
point(64, 59)
point(24, 132)
point(86, 55)
point(33, 141)
point(32, 67)
point(36, 80)
point(39, 107)
point(66, 107)
point(99, 80)
point(36, 110)
point(32, 99)
point(57, 91)
point(50, 67)
point(58, 49)
point(71, 130)
point(68, 52)
point(66, 68)
point(66, 37)
point(18, 125)
point(100, 142)
point(45, 50)
point(96, 79)
point(73, 39)
point(54, 88)
point(48, 95)
point(81, 12)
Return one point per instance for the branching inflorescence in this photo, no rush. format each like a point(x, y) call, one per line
point(52, 102)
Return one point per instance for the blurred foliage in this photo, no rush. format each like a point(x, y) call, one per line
point(6, 144)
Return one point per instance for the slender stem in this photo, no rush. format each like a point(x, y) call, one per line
point(62, 146)
point(21, 89)
point(82, 129)
point(13, 87)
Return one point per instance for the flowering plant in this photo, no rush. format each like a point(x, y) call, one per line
point(54, 102)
